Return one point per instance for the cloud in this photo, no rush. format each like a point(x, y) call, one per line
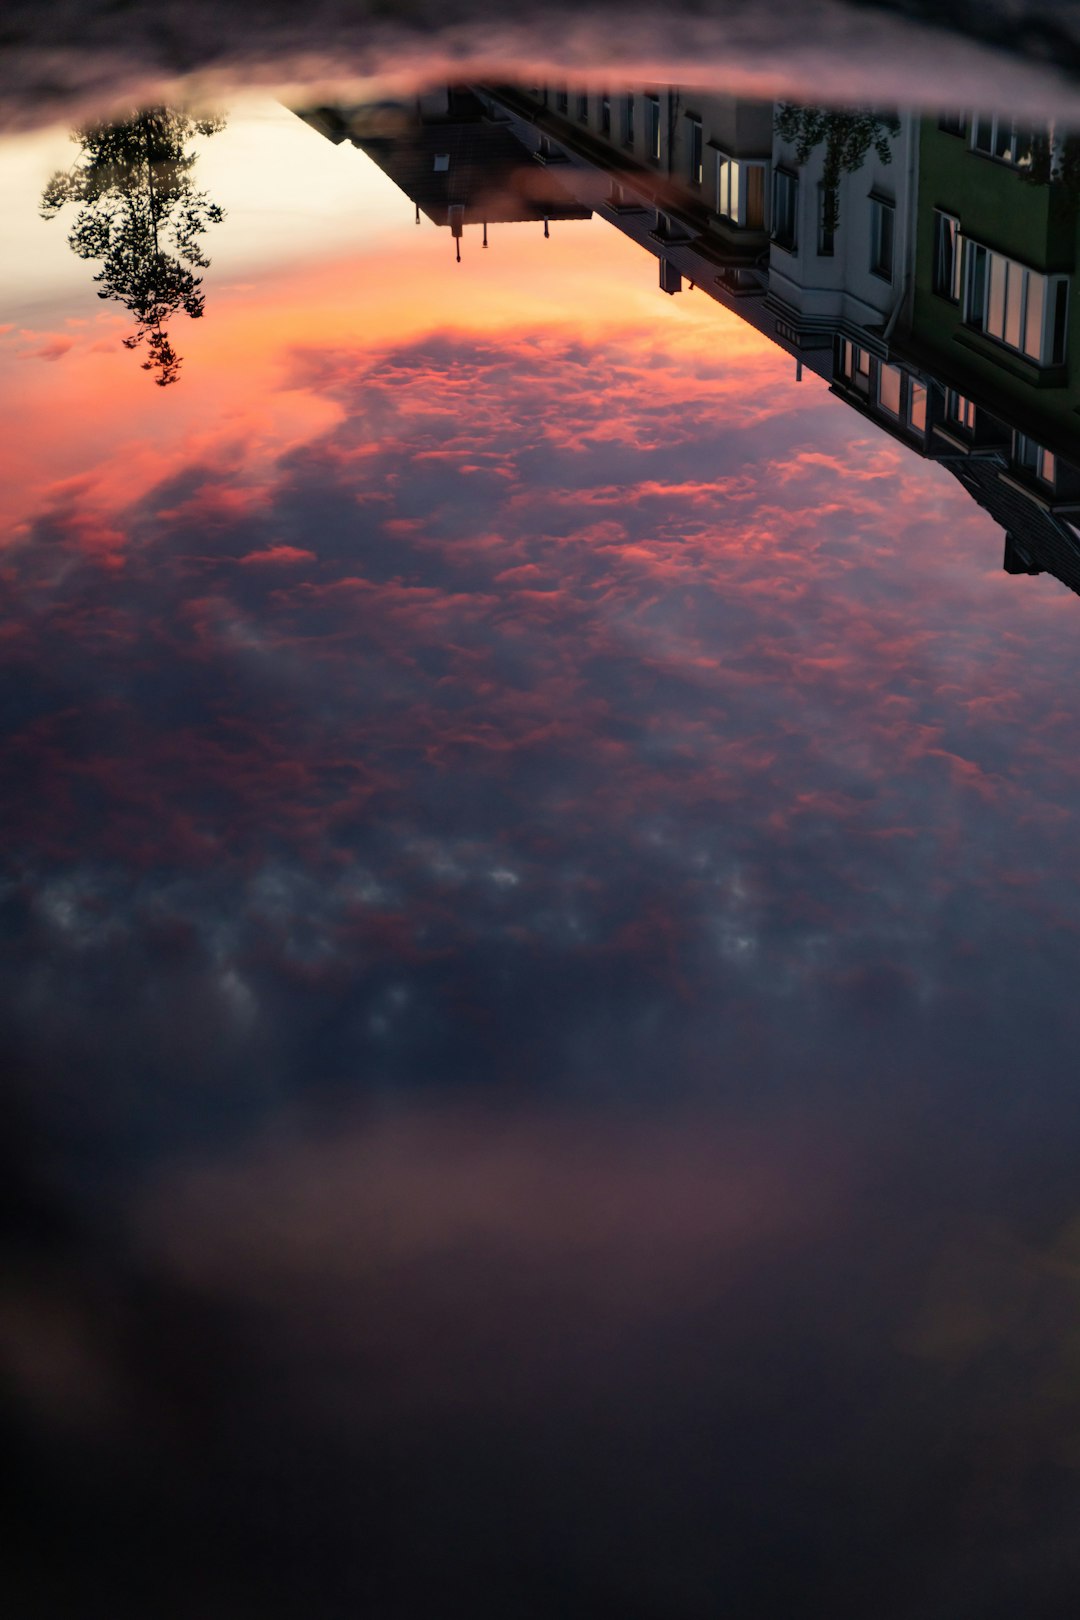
point(277, 556)
point(53, 349)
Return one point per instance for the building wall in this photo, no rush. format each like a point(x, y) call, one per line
point(843, 287)
point(1033, 225)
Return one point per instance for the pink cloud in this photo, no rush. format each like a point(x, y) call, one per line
point(278, 556)
point(54, 348)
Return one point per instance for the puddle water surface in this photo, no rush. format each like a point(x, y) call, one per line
point(541, 686)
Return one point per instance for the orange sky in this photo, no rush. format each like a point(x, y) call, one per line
point(76, 404)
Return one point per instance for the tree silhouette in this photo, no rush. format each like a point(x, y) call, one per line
point(1052, 158)
point(848, 137)
point(141, 217)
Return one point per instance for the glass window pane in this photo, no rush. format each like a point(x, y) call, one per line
point(918, 406)
point(890, 381)
point(995, 308)
point(695, 152)
point(1033, 323)
point(975, 313)
point(1014, 304)
point(1061, 308)
point(654, 127)
point(786, 194)
point(946, 248)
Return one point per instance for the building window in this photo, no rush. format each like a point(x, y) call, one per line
point(826, 230)
point(882, 230)
point(917, 406)
point(1001, 138)
point(1017, 306)
point(1033, 458)
point(583, 107)
point(605, 114)
point(653, 103)
point(785, 209)
point(853, 365)
point(753, 196)
point(960, 411)
point(727, 188)
point(953, 124)
point(696, 152)
point(890, 388)
point(947, 244)
point(628, 120)
point(1059, 313)
point(740, 192)
point(562, 100)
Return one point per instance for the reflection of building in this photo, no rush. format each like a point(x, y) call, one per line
point(931, 290)
point(993, 321)
point(458, 166)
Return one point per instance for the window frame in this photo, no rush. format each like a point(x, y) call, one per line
point(1009, 142)
point(1000, 303)
point(948, 264)
point(959, 410)
point(696, 152)
point(654, 127)
point(785, 186)
point(882, 237)
point(1034, 458)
